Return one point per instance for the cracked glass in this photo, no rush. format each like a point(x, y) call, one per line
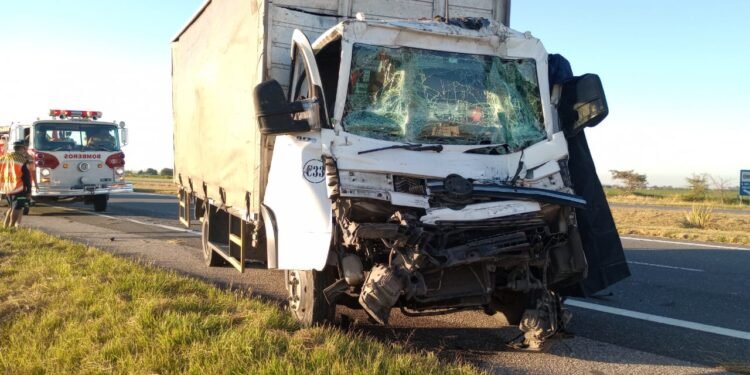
point(423, 96)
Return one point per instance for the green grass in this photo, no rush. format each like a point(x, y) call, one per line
point(70, 309)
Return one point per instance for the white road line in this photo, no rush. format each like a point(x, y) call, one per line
point(664, 266)
point(661, 319)
point(167, 227)
point(685, 243)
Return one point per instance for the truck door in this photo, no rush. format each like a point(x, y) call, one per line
point(297, 210)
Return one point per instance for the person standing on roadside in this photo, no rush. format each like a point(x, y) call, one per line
point(20, 201)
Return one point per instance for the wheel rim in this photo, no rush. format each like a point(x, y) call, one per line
point(295, 291)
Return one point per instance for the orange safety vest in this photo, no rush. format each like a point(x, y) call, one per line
point(11, 173)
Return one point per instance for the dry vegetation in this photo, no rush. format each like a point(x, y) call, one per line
point(716, 227)
point(677, 197)
point(156, 185)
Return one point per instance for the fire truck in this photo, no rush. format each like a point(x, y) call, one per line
point(77, 156)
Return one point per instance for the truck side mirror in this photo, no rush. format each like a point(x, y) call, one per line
point(582, 103)
point(123, 133)
point(124, 136)
point(275, 113)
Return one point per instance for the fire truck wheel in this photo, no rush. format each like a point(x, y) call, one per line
point(100, 202)
point(306, 300)
point(211, 258)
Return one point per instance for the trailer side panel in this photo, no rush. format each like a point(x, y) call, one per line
point(215, 65)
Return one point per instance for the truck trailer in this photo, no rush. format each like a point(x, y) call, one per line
point(419, 155)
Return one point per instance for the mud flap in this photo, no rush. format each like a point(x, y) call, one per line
point(601, 242)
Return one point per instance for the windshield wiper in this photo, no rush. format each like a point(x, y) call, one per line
point(500, 149)
point(408, 146)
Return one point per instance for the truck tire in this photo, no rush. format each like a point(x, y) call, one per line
point(210, 257)
point(306, 300)
point(100, 202)
point(509, 307)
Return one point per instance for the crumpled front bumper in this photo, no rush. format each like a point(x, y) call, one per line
point(61, 192)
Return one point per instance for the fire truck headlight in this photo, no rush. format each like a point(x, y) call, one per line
point(44, 172)
point(119, 171)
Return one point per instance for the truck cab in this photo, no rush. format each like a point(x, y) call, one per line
point(436, 155)
point(76, 156)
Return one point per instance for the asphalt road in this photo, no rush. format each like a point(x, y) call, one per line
point(684, 310)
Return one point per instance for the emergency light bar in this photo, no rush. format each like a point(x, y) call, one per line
point(63, 113)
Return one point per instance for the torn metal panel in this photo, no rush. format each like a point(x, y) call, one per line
point(453, 158)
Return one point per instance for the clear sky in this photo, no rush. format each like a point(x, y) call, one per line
point(676, 73)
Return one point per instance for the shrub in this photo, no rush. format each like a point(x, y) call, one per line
point(698, 184)
point(698, 217)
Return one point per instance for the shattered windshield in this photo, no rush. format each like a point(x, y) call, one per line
point(422, 96)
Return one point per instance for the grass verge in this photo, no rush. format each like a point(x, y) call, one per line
point(677, 197)
point(153, 185)
point(725, 228)
point(68, 308)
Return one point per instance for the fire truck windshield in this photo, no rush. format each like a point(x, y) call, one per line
point(75, 137)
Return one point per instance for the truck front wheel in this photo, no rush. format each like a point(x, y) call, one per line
point(100, 202)
point(306, 300)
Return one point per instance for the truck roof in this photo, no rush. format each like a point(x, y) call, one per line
point(462, 27)
point(448, 26)
point(191, 20)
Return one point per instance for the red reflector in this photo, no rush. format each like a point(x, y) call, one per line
point(45, 160)
point(116, 160)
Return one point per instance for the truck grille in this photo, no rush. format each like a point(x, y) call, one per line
point(402, 184)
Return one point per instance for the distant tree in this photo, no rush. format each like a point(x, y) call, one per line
point(166, 172)
point(721, 184)
point(632, 181)
point(151, 172)
point(698, 185)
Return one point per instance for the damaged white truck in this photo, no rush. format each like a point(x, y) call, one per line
point(402, 159)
